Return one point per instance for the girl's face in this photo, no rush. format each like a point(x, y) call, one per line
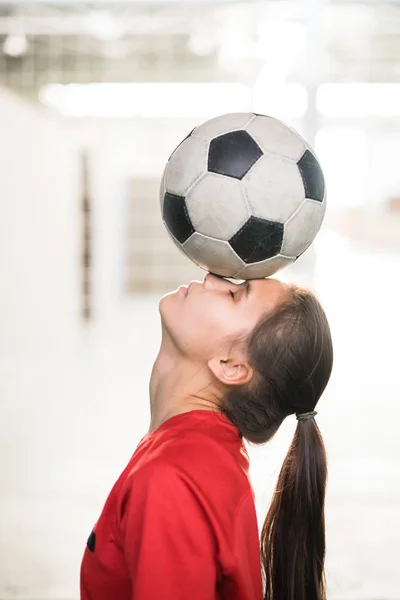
point(203, 319)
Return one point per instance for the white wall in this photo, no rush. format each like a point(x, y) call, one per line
point(39, 324)
point(133, 146)
point(120, 149)
point(39, 227)
point(63, 387)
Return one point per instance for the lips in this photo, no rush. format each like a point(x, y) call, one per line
point(183, 290)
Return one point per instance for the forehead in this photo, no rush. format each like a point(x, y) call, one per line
point(268, 292)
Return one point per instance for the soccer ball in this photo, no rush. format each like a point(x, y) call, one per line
point(243, 195)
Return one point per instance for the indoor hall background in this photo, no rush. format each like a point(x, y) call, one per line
point(94, 96)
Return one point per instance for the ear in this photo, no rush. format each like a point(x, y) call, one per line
point(231, 371)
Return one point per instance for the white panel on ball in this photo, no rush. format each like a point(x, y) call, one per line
point(276, 137)
point(222, 124)
point(264, 268)
point(226, 210)
point(302, 227)
point(213, 255)
point(188, 164)
point(273, 188)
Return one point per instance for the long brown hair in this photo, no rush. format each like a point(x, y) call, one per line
point(291, 353)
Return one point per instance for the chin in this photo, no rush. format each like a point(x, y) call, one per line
point(165, 306)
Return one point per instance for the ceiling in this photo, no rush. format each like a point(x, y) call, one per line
point(196, 40)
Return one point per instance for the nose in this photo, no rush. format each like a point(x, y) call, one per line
point(211, 280)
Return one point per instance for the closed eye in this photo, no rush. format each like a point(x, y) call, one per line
point(232, 293)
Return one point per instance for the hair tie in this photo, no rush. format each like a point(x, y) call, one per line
point(306, 416)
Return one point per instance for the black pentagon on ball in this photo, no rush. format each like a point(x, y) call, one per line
point(176, 217)
point(312, 176)
point(258, 240)
point(233, 154)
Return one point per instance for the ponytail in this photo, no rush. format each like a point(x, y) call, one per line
point(291, 353)
point(293, 534)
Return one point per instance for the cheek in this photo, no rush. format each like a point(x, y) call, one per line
point(212, 321)
point(186, 318)
point(197, 326)
point(201, 324)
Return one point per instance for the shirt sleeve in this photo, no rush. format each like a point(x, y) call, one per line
point(169, 545)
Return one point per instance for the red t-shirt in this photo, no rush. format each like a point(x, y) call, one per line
point(180, 522)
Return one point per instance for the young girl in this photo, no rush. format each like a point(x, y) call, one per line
point(180, 522)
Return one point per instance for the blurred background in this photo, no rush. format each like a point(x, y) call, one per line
point(94, 96)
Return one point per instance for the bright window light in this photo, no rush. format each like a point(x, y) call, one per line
point(172, 100)
point(15, 45)
point(344, 158)
point(285, 101)
point(352, 100)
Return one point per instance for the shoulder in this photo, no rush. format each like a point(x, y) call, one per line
point(199, 455)
point(158, 489)
point(207, 467)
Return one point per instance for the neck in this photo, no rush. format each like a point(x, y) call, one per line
point(178, 385)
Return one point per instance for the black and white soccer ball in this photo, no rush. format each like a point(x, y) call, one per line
point(243, 195)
